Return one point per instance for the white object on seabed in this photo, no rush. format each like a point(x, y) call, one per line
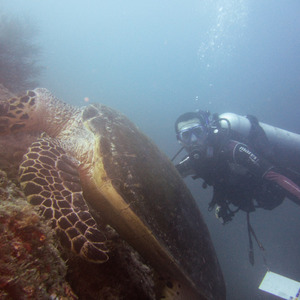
point(280, 286)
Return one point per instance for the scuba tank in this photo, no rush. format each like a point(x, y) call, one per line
point(285, 145)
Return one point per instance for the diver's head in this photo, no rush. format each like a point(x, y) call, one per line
point(192, 129)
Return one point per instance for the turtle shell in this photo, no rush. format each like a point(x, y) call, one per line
point(140, 193)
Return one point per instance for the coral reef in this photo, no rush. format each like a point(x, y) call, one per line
point(19, 54)
point(30, 264)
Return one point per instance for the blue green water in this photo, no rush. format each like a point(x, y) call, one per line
point(154, 60)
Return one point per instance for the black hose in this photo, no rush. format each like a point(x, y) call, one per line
point(177, 153)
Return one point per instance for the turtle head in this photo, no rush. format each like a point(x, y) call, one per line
point(18, 114)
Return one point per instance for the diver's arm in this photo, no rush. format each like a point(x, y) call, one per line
point(284, 182)
point(240, 154)
point(260, 167)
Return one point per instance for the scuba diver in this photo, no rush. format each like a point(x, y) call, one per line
point(249, 164)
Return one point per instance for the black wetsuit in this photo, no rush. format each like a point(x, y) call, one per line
point(238, 175)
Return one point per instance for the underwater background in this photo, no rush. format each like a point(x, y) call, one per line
point(154, 60)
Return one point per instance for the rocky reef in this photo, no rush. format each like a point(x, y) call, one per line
point(34, 266)
point(30, 263)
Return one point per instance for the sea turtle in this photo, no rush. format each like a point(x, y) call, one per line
point(96, 154)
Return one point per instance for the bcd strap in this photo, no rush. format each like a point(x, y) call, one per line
point(258, 139)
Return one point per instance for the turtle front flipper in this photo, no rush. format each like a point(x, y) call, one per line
point(50, 180)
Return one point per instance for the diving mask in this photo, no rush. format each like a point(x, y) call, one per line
point(192, 134)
